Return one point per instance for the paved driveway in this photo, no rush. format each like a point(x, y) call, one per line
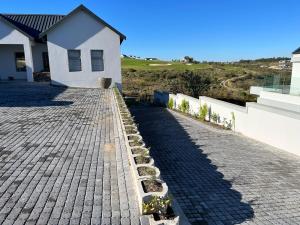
point(61, 157)
point(221, 178)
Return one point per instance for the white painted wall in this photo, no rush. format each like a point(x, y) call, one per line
point(9, 35)
point(226, 111)
point(83, 32)
point(295, 82)
point(283, 101)
point(37, 54)
point(274, 126)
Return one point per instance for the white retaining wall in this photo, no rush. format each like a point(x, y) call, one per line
point(277, 127)
point(226, 111)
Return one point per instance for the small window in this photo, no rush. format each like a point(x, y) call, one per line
point(20, 62)
point(97, 60)
point(74, 60)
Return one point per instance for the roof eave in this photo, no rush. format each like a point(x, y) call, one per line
point(297, 51)
point(83, 8)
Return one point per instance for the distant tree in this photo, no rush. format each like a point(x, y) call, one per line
point(189, 59)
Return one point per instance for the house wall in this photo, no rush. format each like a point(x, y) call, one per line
point(11, 36)
point(274, 126)
point(295, 82)
point(83, 32)
point(37, 54)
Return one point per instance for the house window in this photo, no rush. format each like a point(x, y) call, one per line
point(46, 61)
point(97, 60)
point(74, 60)
point(20, 62)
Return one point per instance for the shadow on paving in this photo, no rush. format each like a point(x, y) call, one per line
point(24, 94)
point(202, 193)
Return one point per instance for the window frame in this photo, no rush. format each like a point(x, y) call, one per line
point(101, 60)
point(21, 69)
point(73, 58)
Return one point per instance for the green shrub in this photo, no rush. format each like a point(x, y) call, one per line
point(215, 117)
point(157, 205)
point(185, 106)
point(203, 112)
point(227, 125)
point(171, 103)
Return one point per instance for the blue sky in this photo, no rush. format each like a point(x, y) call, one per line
point(218, 30)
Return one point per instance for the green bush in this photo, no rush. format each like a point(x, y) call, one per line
point(185, 106)
point(171, 103)
point(227, 124)
point(203, 112)
point(157, 205)
point(215, 117)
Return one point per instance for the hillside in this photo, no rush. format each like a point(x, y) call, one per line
point(226, 81)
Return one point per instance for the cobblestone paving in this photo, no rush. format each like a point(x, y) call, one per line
point(221, 178)
point(61, 158)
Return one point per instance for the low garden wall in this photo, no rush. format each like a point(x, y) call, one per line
point(276, 127)
point(155, 204)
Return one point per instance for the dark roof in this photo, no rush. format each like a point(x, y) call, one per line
point(297, 51)
point(32, 24)
point(38, 25)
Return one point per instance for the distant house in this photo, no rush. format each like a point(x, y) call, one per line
point(151, 59)
point(124, 56)
point(77, 49)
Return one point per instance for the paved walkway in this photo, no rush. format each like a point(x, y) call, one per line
point(62, 160)
point(221, 178)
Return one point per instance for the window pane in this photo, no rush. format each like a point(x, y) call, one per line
point(20, 62)
point(97, 60)
point(74, 60)
point(46, 61)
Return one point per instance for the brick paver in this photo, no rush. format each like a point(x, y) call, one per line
point(219, 177)
point(62, 157)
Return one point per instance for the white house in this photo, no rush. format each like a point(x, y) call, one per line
point(295, 82)
point(77, 49)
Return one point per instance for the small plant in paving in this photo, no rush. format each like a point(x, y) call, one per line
point(146, 171)
point(140, 151)
point(130, 130)
point(141, 160)
point(203, 112)
point(136, 143)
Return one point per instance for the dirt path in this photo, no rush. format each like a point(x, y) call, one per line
point(224, 83)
